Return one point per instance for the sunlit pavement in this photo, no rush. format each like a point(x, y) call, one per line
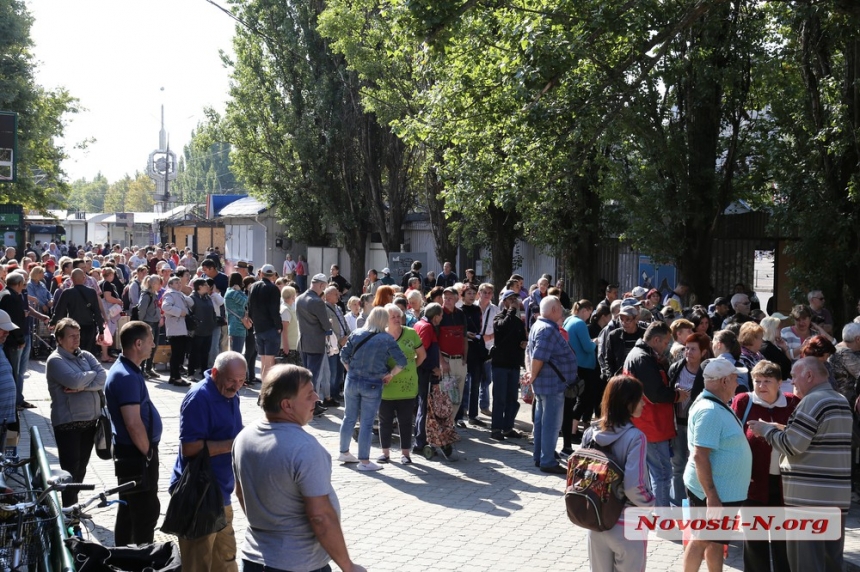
point(491, 509)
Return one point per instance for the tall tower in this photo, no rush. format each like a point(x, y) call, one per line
point(161, 168)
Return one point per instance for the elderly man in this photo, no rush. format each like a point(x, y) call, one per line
point(846, 362)
point(741, 305)
point(552, 370)
point(137, 432)
point(720, 465)
point(453, 343)
point(620, 341)
point(302, 495)
point(820, 315)
point(815, 459)
point(82, 305)
point(647, 363)
point(8, 389)
point(314, 327)
point(341, 332)
point(210, 416)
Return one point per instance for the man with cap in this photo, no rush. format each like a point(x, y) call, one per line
point(639, 292)
point(646, 362)
point(264, 303)
point(720, 313)
point(242, 268)
point(386, 277)
point(8, 389)
point(314, 327)
point(621, 340)
point(719, 469)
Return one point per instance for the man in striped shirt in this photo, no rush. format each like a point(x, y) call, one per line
point(815, 449)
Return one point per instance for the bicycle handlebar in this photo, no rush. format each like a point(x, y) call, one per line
point(102, 496)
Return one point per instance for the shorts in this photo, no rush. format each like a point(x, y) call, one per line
point(697, 502)
point(268, 343)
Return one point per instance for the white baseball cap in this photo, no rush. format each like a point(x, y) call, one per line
point(267, 269)
point(719, 368)
point(6, 322)
point(319, 278)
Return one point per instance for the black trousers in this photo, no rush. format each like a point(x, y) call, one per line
point(424, 378)
point(147, 363)
point(74, 447)
point(198, 360)
point(136, 519)
point(757, 553)
point(582, 407)
point(251, 354)
point(88, 340)
point(403, 409)
point(178, 348)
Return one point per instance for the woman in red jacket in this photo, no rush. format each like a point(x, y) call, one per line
point(767, 403)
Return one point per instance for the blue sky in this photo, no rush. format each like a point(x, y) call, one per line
point(115, 56)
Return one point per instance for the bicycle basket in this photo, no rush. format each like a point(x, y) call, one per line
point(35, 530)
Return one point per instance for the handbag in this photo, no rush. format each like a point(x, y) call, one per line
point(93, 557)
point(103, 439)
point(246, 321)
point(190, 319)
point(196, 506)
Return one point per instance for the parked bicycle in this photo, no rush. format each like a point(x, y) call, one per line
point(74, 515)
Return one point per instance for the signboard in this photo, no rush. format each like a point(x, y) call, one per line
point(124, 220)
point(653, 275)
point(10, 219)
point(8, 146)
point(401, 262)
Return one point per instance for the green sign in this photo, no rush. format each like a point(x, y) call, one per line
point(10, 219)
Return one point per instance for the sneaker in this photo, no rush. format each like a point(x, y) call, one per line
point(368, 467)
point(555, 470)
point(497, 436)
point(319, 410)
point(513, 434)
point(331, 402)
point(486, 412)
point(568, 451)
point(460, 423)
point(179, 382)
point(383, 459)
point(405, 460)
point(346, 458)
point(475, 422)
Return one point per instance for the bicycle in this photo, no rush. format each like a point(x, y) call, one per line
point(74, 515)
point(26, 525)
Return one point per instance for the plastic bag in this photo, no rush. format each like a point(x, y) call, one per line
point(93, 557)
point(196, 506)
point(448, 384)
point(527, 394)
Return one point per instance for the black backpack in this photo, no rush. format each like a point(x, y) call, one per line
point(594, 495)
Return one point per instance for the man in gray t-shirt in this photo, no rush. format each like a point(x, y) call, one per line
point(283, 482)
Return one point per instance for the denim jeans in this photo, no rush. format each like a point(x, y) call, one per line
point(25, 357)
point(660, 467)
point(14, 357)
point(680, 453)
point(361, 402)
point(237, 343)
point(334, 375)
point(548, 412)
point(314, 362)
point(506, 387)
point(215, 347)
point(484, 397)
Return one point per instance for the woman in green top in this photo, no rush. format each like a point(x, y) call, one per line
point(399, 394)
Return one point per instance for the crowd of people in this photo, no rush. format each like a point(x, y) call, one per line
point(710, 406)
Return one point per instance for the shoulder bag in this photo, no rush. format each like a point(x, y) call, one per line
point(103, 437)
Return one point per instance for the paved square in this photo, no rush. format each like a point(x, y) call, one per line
point(490, 510)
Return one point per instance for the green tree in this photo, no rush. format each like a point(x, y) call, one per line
point(204, 168)
point(89, 196)
point(41, 114)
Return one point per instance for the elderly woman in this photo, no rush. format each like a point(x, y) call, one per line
point(429, 370)
point(768, 403)
point(150, 312)
point(366, 357)
point(40, 298)
point(398, 396)
point(75, 382)
point(795, 336)
point(416, 304)
point(112, 305)
point(751, 338)
point(846, 362)
point(821, 349)
point(353, 313)
point(773, 347)
point(203, 310)
point(176, 306)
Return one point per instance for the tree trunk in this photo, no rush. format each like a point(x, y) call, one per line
point(445, 248)
point(503, 238)
point(355, 248)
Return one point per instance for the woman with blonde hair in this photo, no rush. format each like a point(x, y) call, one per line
point(773, 347)
point(150, 312)
point(290, 326)
point(751, 338)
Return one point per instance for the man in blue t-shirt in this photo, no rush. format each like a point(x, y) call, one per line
point(210, 416)
point(136, 434)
